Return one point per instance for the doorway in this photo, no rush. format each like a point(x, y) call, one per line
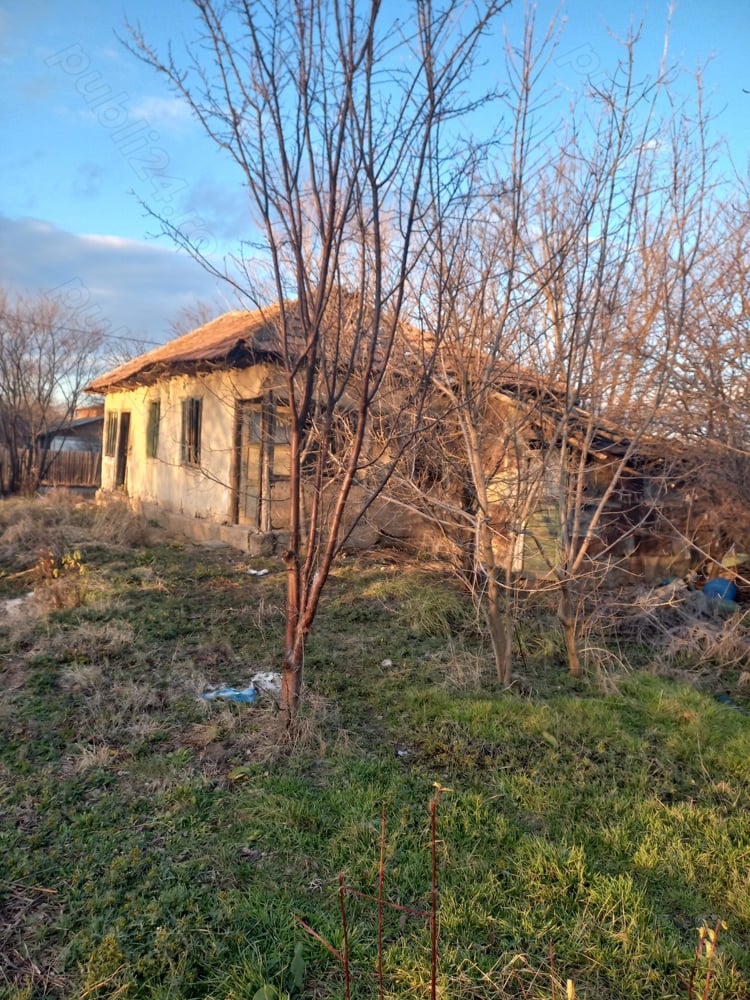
point(123, 439)
point(262, 437)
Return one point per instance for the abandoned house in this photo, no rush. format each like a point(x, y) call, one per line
point(196, 434)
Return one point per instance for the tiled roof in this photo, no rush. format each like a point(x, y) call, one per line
point(250, 333)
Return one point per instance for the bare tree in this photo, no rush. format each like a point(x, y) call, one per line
point(192, 316)
point(620, 233)
point(47, 355)
point(561, 300)
point(337, 119)
point(474, 300)
point(706, 411)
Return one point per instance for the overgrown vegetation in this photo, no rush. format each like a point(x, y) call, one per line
point(157, 845)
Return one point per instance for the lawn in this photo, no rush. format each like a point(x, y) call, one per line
point(157, 845)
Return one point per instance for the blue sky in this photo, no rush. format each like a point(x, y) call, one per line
point(89, 133)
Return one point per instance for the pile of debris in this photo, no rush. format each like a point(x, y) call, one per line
point(703, 632)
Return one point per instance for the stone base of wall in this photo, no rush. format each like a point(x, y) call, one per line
point(200, 529)
point(408, 532)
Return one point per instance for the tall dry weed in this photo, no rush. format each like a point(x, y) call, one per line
point(114, 522)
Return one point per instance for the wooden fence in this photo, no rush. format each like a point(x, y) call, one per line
point(65, 468)
point(74, 468)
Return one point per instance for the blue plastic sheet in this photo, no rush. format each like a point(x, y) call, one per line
point(246, 696)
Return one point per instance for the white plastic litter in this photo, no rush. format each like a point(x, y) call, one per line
point(14, 606)
point(268, 682)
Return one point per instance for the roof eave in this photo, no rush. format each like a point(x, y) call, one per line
point(239, 357)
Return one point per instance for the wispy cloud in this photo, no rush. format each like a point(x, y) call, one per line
point(162, 112)
point(88, 179)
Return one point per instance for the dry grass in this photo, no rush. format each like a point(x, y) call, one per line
point(683, 634)
point(91, 756)
point(116, 524)
point(254, 730)
point(38, 974)
point(460, 668)
point(154, 812)
point(59, 522)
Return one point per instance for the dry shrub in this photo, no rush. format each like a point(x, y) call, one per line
point(115, 523)
point(682, 629)
point(60, 581)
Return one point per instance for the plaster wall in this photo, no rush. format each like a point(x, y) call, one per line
point(203, 490)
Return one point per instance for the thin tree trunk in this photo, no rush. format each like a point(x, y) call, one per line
point(566, 615)
point(500, 623)
point(291, 675)
point(291, 686)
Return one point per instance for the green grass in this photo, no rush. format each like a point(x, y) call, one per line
point(156, 845)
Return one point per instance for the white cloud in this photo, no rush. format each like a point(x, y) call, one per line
point(130, 287)
point(162, 112)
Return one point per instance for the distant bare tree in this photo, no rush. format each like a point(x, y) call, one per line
point(47, 355)
point(192, 316)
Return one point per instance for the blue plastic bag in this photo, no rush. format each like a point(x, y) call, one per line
point(246, 696)
point(720, 587)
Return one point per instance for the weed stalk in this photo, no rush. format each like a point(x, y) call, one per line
point(707, 940)
point(381, 880)
point(434, 895)
point(342, 907)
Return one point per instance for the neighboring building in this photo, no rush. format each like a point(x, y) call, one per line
point(534, 481)
point(82, 433)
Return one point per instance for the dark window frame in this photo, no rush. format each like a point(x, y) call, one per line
point(192, 419)
point(111, 428)
point(152, 428)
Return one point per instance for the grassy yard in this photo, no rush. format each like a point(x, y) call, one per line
point(156, 845)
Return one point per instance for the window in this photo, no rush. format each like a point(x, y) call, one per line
point(110, 435)
point(152, 428)
point(278, 429)
point(263, 459)
point(191, 431)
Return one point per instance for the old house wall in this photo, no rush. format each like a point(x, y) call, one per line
point(166, 480)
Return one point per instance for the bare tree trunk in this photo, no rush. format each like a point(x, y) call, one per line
point(293, 659)
point(499, 615)
point(567, 616)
